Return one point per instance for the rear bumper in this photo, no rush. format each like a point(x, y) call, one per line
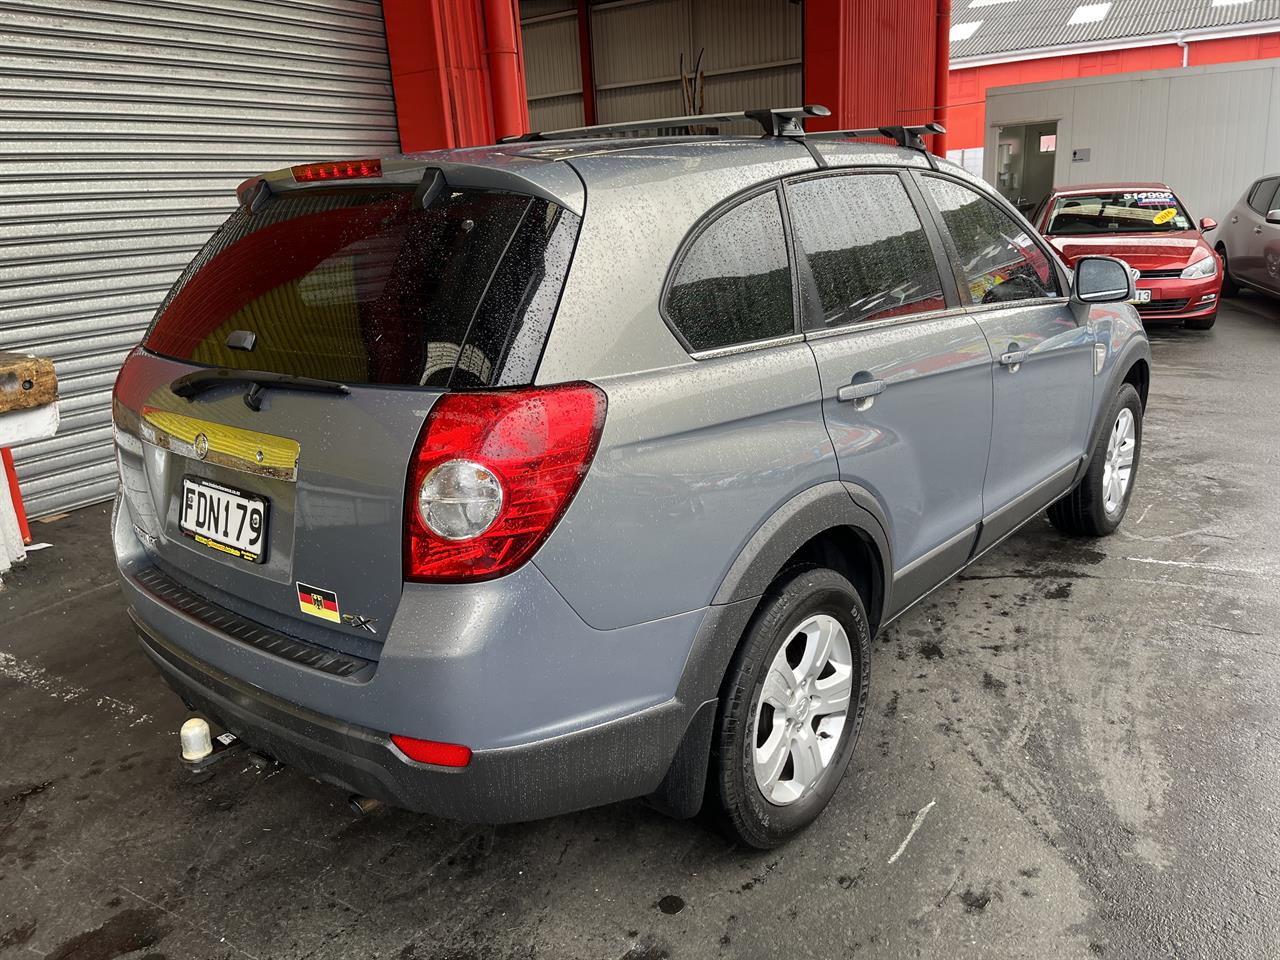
point(559, 716)
point(613, 761)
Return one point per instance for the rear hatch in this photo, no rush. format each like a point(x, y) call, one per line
point(266, 424)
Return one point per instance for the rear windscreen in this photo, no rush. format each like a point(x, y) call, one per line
point(369, 287)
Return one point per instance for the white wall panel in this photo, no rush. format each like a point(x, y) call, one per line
point(126, 129)
point(1206, 131)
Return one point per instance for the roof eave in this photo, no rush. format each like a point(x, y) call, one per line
point(1122, 43)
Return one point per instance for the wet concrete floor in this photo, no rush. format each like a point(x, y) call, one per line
point(1092, 727)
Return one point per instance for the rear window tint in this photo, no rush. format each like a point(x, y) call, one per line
point(734, 284)
point(365, 287)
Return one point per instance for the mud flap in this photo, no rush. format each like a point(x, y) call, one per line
point(681, 791)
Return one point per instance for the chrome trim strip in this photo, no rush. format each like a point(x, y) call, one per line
point(851, 328)
point(747, 347)
point(234, 448)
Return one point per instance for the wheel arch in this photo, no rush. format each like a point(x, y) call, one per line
point(835, 524)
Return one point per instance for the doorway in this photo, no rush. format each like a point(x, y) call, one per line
point(1025, 157)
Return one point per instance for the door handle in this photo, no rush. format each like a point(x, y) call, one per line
point(1257, 229)
point(1013, 358)
point(1235, 219)
point(861, 393)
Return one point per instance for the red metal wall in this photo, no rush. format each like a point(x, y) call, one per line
point(874, 62)
point(968, 87)
point(454, 72)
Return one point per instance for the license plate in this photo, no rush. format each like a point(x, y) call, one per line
point(223, 519)
point(1141, 296)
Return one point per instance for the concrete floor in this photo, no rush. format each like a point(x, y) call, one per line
point(1091, 726)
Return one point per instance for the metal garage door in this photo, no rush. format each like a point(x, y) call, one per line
point(125, 126)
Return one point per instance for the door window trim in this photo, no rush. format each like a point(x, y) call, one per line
point(705, 222)
point(1253, 193)
point(954, 254)
point(946, 277)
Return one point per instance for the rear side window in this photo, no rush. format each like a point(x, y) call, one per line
point(1000, 261)
point(1262, 196)
point(866, 249)
point(368, 287)
point(733, 285)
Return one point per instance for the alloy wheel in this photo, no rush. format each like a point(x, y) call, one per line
point(1118, 470)
point(802, 709)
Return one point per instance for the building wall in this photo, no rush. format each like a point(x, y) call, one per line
point(1208, 132)
point(751, 56)
point(969, 85)
point(871, 61)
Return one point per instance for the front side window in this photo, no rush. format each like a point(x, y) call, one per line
point(866, 249)
point(1262, 196)
point(734, 284)
point(1117, 211)
point(1000, 262)
point(365, 286)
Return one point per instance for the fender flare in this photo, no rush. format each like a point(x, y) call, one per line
point(809, 513)
point(1136, 349)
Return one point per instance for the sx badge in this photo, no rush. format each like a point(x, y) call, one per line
point(361, 623)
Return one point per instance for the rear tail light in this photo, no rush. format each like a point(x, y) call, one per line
point(492, 474)
point(338, 170)
point(430, 751)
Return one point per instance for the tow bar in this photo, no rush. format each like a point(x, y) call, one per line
point(201, 751)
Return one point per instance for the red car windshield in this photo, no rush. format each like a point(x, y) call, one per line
point(1116, 211)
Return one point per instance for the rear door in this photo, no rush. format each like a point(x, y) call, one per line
point(287, 505)
point(905, 371)
point(1043, 370)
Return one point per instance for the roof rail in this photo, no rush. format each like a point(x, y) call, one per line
point(909, 137)
point(774, 122)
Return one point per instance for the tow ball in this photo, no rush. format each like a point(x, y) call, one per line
point(201, 751)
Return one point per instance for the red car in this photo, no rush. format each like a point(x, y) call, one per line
point(1144, 224)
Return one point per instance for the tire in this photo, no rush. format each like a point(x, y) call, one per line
point(1229, 287)
point(802, 603)
point(1084, 511)
point(1202, 323)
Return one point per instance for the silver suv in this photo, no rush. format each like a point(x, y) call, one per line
point(1249, 242)
point(508, 481)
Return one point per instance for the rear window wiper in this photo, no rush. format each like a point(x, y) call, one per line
point(259, 381)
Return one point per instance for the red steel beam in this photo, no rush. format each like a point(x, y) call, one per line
point(506, 69)
point(587, 65)
point(12, 476)
point(942, 74)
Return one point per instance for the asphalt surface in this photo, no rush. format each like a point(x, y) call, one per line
point(1083, 734)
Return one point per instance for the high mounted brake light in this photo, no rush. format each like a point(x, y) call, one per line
point(336, 170)
point(492, 474)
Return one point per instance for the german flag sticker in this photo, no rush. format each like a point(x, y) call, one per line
point(318, 603)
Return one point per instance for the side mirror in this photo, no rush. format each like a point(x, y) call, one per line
point(1207, 224)
point(1273, 216)
point(1103, 280)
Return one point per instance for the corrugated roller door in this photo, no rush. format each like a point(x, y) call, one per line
point(125, 126)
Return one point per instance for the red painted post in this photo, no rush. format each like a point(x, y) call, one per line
point(587, 64)
point(942, 74)
point(12, 477)
point(506, 68)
